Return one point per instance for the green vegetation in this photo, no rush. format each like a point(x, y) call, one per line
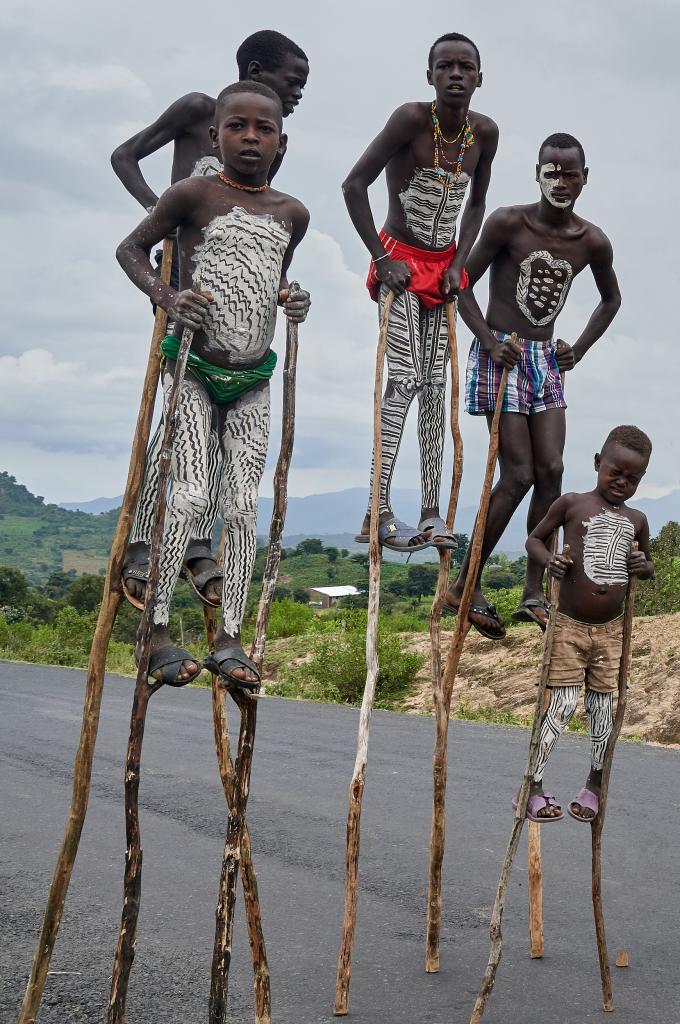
point(41, 539)
point(48, 607)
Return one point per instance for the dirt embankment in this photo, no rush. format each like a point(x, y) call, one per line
point(500, 675)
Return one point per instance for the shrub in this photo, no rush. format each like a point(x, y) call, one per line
point(289, 618)
point(336, 671)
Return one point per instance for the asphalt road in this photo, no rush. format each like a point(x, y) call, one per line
point(297, 811)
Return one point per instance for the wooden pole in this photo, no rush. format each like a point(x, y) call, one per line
point(144, 690)
point(439, 708)
point(597, 824)
point(356, 788)
point(461, 629)
point(111, 599)
point(535, 873)
point(236, 781)
point(534, 867)
point(496, 935)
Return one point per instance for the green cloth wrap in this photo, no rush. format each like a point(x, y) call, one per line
point(222, 385)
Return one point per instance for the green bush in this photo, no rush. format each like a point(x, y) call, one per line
point(336, 671)
point(289, 618)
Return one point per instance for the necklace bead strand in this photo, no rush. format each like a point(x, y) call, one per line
point(467, 140)
point(243, 188)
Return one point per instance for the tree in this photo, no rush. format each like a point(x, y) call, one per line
point(332, 554)
point(398, 587)
point(662, 593)
point(311, 546)
point(421, 579)
point(13, 585)
point(85, 594)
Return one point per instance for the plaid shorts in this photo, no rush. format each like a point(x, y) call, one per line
point(533, 385)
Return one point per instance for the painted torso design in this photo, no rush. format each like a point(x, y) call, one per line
point(542, 286)
point(206, 165)
point(606, 547)
point(431, 205)
point(239, 262)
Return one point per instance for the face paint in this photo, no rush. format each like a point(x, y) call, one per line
point(548, 185)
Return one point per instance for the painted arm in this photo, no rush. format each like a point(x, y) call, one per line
point(296, 306)
point(536, 545)
point(601, 264)
point(172, 210)
point(475, 207)
point(172, 123)
point(396, 134)
point(493, 239)
point(639, 562)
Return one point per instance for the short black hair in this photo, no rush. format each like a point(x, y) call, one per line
point(630, 437)
point(269, 48)
point(561, 140)
point(245, 87)
point(453, 37)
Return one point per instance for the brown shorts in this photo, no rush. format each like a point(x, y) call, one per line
point(584, 652)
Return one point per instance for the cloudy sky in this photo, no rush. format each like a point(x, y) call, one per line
point(77, 78)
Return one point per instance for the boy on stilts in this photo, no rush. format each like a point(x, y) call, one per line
point(272, 59)
point(533, 254)
point(240, 235)
point(430, 152)
point(599, 528)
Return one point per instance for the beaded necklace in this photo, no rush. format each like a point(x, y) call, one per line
point(467, 138)
point(243, 188)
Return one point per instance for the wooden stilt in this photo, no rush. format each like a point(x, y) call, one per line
point(534, 867)
point(236, 781)
point(597, 824)
point(356, 789)
point(440, 713)
point(462, 627)
point(535, 892)
point(144, 689)
point(496, 935)
point(112, 596)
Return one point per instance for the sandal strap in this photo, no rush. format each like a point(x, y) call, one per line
point(198, 549)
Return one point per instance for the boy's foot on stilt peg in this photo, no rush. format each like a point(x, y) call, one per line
point(230, 662)
point(586, 804)
point(542, 806)
point(394, 534)
point(533, 609)
point(169, 664)
point(202, 573)
point(482, 615)
point(135, 574)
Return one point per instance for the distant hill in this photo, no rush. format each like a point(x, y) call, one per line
point(337, 515)
point(40, 538)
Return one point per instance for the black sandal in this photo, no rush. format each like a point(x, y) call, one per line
point(222, 662)
point(135, 567)
point(165, 658)
point(199, 581)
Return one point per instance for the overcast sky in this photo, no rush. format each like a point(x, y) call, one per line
point(77, 78)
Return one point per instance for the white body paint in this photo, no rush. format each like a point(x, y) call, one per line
point(606, 547)
point(542, 290)
point(239, 262)
point(206, 165)
point(432, 203)
point(549, 184)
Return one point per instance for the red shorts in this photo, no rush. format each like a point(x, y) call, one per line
point(427, 270)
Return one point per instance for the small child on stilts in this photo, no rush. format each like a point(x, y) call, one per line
point(236, 238)
point(599, 529)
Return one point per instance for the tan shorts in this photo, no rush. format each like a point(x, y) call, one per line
point(584, 652)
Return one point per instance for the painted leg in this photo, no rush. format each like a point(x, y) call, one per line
point(245, 435)
point(560, 710)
